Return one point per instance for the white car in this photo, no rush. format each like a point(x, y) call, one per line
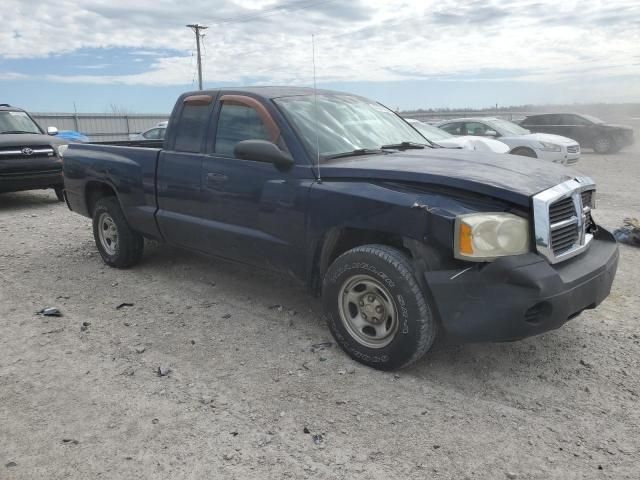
point(446, 140)
point(154, 133)
point(545, 146)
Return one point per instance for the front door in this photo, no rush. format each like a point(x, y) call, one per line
point(252, 212)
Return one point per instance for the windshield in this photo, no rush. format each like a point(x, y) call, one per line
point(430, 132)
point(345, 124)
point(505, 127)
point(593, 119)
point(17, 122)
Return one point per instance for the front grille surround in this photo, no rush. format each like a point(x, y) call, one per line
point(562, 219)
point(573, 149)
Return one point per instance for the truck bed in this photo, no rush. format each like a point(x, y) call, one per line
point(129, 168)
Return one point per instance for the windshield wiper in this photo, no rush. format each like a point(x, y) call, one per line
point(404, 146)
point(355, 153)
point(16, 131)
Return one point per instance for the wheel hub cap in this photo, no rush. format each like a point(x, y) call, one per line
point(368, 312)
point(108, 234)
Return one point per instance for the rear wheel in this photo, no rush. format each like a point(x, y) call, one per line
point(524, 152)
point(118, 244)
point(603, 145)
point(376, 309)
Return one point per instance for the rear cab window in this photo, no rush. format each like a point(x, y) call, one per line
point(192, 126)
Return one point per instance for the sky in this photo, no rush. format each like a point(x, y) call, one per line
point(106, 55)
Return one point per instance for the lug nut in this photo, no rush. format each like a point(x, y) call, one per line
point(362, 303)
point(379, 309)
point(371, 299)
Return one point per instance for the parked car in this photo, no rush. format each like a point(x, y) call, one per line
point(521, 141)
point(72, 136)
point(590, 132)
point(154, 133)
point(401, 240)
point(446, 140)
point(29, 156)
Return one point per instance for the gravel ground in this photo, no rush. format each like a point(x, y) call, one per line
point(80, 396)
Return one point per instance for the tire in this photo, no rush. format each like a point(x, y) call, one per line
point(524, 152)
point(378, 280)
point(59, 194)
point(603, 145)
point(118, 244)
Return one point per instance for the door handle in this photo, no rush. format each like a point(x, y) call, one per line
point(214, 177)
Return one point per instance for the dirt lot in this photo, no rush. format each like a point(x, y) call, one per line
point(86, 402)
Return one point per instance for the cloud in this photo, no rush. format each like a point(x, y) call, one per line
point(269, 41)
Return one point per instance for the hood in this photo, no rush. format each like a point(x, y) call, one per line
point(549, 137)
point(28, 140)
point(506, 177)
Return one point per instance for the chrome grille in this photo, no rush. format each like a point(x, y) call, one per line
point(562, 217)
point(573, 149)
point(20, 152)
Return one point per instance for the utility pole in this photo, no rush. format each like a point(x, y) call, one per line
point(196, 28)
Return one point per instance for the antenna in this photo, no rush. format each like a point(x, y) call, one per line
point(315, 105)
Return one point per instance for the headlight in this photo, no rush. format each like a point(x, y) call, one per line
point(550, 147)
point(61, 150)
point(482, 237)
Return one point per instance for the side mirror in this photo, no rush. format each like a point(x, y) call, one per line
point(52, 131)
point(263, 151)
point(490, 133)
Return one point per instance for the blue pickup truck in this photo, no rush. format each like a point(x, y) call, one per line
point(403, 240)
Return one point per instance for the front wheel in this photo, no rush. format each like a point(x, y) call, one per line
point(118, 244)
point(376, 309)
point(603, 145)
point(59, 194)
point(524, 152)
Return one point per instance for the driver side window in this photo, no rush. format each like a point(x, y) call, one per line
point(235, 124)
point(477, 129)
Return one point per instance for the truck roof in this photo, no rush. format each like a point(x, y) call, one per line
point(268, 92)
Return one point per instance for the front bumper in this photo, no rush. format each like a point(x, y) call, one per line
point(520, 296)
point(563, 157)
point(16, 182)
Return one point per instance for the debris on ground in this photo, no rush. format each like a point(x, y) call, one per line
point(85, 326)
point(318, 347)
point(124, 304)
point(276, 307)
point(49, 312)
point(317, 438)
point(140, 349)
point(306, 430)
point(155, 421)
point(70, 441)
point(226, 315)
point(11, 464)
point(629, 233)
point(163, 371)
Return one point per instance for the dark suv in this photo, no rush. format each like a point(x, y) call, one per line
point(29, 157)
point(590, 132)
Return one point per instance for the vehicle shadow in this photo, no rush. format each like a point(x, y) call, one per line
point(480, 368)
point(27, 200)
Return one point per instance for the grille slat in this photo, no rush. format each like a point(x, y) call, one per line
point(564, 238)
